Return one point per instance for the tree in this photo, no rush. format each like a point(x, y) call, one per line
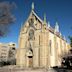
point(6, 17)
point(67, 59)
point(70, 37)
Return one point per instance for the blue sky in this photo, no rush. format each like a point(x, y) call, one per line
point(56, 10)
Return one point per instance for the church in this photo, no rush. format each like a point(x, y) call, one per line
point(40, 45)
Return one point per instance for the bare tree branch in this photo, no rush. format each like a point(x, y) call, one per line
point(6, 16)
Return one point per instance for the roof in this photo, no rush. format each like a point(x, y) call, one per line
point(51, 29)
point(42, 22)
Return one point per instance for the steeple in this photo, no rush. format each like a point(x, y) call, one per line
point(32, 5)
point(56, 27)
point(44, 18)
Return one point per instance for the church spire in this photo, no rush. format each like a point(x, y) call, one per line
point(44, 18)
point(32, 5)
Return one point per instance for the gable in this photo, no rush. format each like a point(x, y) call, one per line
point(33, 21)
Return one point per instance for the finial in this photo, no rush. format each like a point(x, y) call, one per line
point(60, 34)
point(48, 24)
point(57, 27)
point(44, 18)
point(56, 23)
point(32, 5)
point(64, 38)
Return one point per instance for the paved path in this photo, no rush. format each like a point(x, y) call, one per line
point(18, 69)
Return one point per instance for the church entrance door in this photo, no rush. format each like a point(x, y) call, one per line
point(30, 61)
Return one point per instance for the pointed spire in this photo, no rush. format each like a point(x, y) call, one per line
point(60, 34)
point(64, 38)
point(57, 27)
point(48, 24)
point(32, 5)
point(44, 18)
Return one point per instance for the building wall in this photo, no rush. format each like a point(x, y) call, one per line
point(4, 51)
point(52, 49)
point(47, 45)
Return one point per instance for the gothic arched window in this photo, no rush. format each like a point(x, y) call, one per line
point(50, 46)
point(31, 21)
point(31, 34)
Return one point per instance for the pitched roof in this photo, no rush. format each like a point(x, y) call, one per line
point(42, 22)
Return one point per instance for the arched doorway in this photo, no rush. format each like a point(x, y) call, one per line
point(30, 57)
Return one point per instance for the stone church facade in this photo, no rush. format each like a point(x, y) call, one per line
point(40, 45)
